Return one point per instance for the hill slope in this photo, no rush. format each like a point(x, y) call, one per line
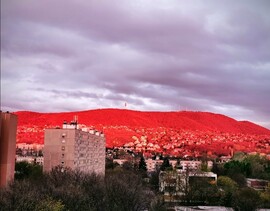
point(125, 126)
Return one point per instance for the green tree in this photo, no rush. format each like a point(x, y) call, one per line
point(166, 164)
point(154, 180)
point(65, 189)
point(158, 205)
point(246, 199)
point(265, 197)
point(229, 187)
point(125, 191)
point(238, 171)
point(49, 204)
point(227, 183)
point(25, 170)
point(259, 166)
point(127, 165)
point(142, 165)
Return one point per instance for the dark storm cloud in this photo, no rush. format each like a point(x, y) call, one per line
point(154, 55)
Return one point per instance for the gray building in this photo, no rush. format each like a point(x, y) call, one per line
point(78, 149)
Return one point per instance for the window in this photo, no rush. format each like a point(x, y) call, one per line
point(63, 155)
point(63, 135)
point(63, 141)
point(63, 148)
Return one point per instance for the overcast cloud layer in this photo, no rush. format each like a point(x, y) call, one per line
point(68, 55)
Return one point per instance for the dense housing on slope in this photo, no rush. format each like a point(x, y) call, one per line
point(78, 149)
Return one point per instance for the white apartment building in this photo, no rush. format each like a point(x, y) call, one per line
point(80, 149)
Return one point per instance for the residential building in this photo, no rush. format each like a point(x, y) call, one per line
point(174, 183)
point(257, 184)
point(120, 162)
point(8, 130)
point(153, 165)
point(30, 159)
point(194, 165)
point(78, 149)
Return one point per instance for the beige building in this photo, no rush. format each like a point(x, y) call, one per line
point(78, 149)
point(8, 130)
point(173, 184)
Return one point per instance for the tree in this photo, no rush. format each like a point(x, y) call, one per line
point(259, 166)
point(229, 187)
point(142, 165)
point(124, 191)
point(127, 165)
point(154, 180)
point(202, 191)
point(25, 170)
point(237, 171)
point(218, 168)
point(265, 197)
point(246, 199)
point(227, 183)
point(166, 164)
point(158, 205)
point(65, 189)
point(49, 204)
point(109, 164)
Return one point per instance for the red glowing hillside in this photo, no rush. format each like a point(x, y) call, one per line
point(161, 128)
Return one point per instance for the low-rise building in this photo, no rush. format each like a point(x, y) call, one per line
point(174, 184)
point(257, 184)
point(120, 162)
point(153, 165)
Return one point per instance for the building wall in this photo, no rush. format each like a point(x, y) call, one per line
point(8, 130)
point(59, 148)
point(152, 165)
point(89, 152)
point(74, 148)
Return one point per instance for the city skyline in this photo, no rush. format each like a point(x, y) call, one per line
point(160, 55)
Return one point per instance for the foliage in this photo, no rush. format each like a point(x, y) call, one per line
point(109, 164)
point(259, 166)
point(127, 165)
point(166, 164)
point(238, 171)
point(218, 169)
point(154, 180)
point(204, 167)
point(246, 199)
point(25, 170)
point(157, 205)
point(237, 167)
point(142, 165)
point(64, 189)
point(125, 191)
point(229, 187)
point(265, 197)
point(227, 183)
point(49, 204)
point(203, 192)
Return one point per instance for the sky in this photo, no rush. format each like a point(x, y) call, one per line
point(148, 55)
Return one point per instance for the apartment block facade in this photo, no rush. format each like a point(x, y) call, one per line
point(8, 131)
point(78, 149)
